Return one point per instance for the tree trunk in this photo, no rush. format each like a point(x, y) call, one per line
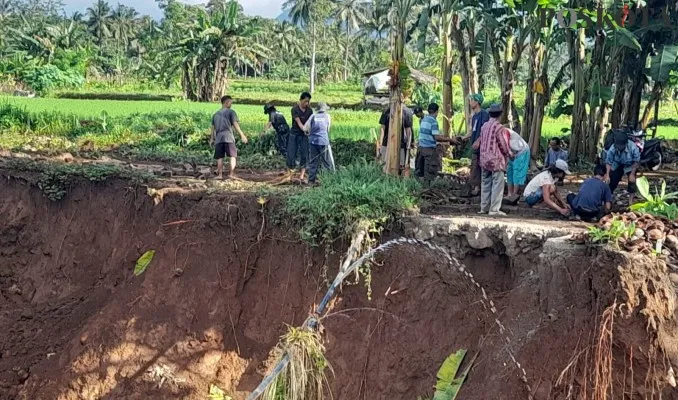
point(485, 58)
point(577, 45)
point(447, 63)
point(651, 104)
point(530, 87)
point(392, 166)
point(348, 40)
point(313, 54)
point(469, 74)
point(507, 82)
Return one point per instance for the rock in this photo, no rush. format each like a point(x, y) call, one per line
point(83, 339)
point(66, 157)
point(638, 234)
point(27, 313)
point(14, 289)
point(178, 272)
point(674, 278)
point(188, 167)
point(23, 375)
point(204, 170)
point(655, 234)
point(166, 173)
point(479, 240)
point(178, 171)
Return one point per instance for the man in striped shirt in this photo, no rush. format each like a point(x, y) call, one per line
point(429, 161)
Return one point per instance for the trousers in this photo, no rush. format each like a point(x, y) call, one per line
point(492, 191)
point(319, 155)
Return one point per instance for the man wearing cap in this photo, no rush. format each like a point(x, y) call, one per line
point(278, 122)
point(480, 117)
point(429, 160)
point(318, 127)
point(494, 155)
point(622, 159)
point(542, 188)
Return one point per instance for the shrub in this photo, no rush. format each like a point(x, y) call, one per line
point(45, 78)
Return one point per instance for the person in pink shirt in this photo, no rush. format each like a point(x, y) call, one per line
point(494, 155)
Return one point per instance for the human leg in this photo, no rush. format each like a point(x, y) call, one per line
point(476, 174)
point(303, 155)
point(497, 191)
point(219, 154)
point(315, 152)
point(616, 177)
point(231, 152)
point(485, 191)
point(432, 164)
point(328, 158)
point(292, 144)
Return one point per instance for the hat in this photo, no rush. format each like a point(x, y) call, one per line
point(494, 108)
point(620, 140)
point(562, 165)
point(268, 108)
point(477, 97)
point(322, 107)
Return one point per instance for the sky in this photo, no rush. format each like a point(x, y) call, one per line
point(263, 8)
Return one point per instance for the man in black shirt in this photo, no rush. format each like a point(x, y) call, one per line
point(298, 141)
point(406, 133)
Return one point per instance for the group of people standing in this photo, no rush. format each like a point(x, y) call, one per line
point(306, 141)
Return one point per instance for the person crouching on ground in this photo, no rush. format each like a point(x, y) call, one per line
point(278, 122)
point(494, 155)
point(555, 153)
point(543, 188)
point(622, 158)
point(224, 122)
point(516, 174)
point(594, 198)
point(320, 151)
point(429, 160)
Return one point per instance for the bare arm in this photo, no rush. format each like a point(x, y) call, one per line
point(242, 135)
point(608, 206)
point(546, 189)
point(299, 124)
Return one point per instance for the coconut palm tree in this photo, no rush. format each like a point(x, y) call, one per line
point(351, 14)
point(99, 21)
point(123, 24)
point(303, 12)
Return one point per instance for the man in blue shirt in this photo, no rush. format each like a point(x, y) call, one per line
point(480, 117)
point(622, 159)
point(429, 161)
point(594, 197)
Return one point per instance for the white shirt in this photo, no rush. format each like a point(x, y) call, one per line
point(544, 178)
point(517, 143)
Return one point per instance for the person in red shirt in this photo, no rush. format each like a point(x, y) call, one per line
point(494, 155)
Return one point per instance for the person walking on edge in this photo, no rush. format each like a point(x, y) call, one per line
point(494, 154)
point(429, 159)
point(480, 117)
point(298, 140)
point(224, 122)
point(320, 151)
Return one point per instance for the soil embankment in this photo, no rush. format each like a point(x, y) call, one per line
point(79, 325)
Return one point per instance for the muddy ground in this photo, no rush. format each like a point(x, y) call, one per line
point(224, 284)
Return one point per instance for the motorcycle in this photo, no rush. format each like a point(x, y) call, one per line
point(651, 152)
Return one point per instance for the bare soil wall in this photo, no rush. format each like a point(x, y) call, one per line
point(221, 289)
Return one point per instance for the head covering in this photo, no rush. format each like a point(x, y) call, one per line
point(494, 108)
point(620, 140)
point(417, 110)
point(322, 107)
point(268, 108)
point(477, 97)
point(562, 165)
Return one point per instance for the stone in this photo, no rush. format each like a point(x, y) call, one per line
point(14, 289)
point(27, 313)
point(479, 239)
point(188, 167)
point(66, 157)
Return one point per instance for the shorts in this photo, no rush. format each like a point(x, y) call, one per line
point(535, 198)
point(402, 155)
point(225, 149)
point(428, 163)
point(517, 169)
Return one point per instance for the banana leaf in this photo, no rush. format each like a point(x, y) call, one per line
point(143, 262)
point(663, 63)
point(449, 384)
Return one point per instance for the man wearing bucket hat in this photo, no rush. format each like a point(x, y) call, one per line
point(318, 127)
point(480, 117)
point(542, 188)
point(622, 159)
point(494, 155)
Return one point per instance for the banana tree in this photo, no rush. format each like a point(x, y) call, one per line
point(661, 65)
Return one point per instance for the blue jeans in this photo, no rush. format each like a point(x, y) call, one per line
point(319, 154)
point(535, 198)
point(297, 144)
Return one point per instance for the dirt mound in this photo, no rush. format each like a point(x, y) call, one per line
point(221, 288)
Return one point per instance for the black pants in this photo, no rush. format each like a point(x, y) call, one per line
point(297, 144)
point(281, 139)
point(616, 177)
point(319, 155)
point(584, 214)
